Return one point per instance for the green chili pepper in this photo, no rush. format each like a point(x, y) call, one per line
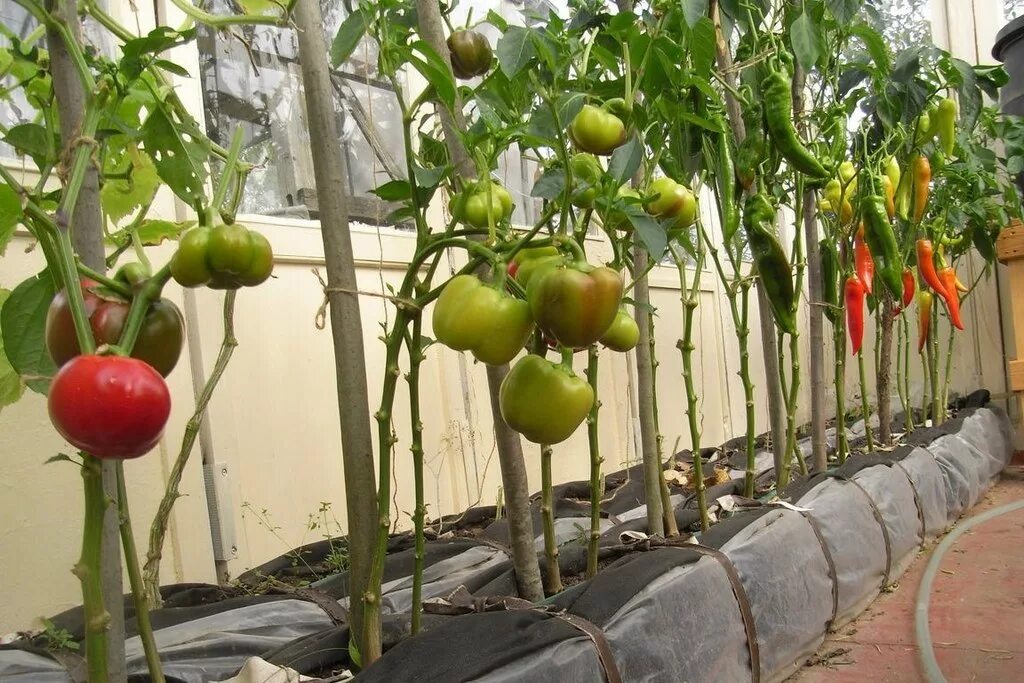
point(777, 90)
point(751, 152)
point(829, 279)
point(771, 261)
point(881, 240)
point(726, 186)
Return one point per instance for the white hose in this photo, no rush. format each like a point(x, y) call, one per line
point(932, 672)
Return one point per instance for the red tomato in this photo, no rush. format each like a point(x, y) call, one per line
point(109, 406)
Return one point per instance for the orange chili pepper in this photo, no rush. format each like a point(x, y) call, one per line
point(926, 266)
point(854, 294)
point(862, 261)
point(952, 297)
point(924, 318)
point(922, 170)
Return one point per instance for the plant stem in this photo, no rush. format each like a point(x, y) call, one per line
point(149, 292)
point(690, 297)
point(667, 513)
point(864, 404)
point(416, 449)
point(131, 557)
point(883, 370)
point(645, 397)
point(596, 481)
point(949, 366)
point(908, 409)
point(839, 342)
point(158, 529)
point(102, 279)
point(547, 512)
point(224, 20)
point(88, 571)
point(938, 407)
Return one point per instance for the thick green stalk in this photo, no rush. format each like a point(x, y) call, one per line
point(416, 449)
point(158, 529)
point(949, 366)
point(938, 407)
point(667, 513)
point(547, 512)
point(596, 481)
point(864, 404)
point(88, 572)
point(839, 342)
point(908, 410)
point(927, 387)
point(652, 465)
point(690, 297)
point(131, 556)
point(794, 355)
point(899, 364)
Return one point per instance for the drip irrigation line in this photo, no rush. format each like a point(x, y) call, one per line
point(932, 672)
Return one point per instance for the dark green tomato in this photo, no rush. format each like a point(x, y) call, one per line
point(158, 344)
point(472, 316)
point(544, 401)
point(575, 304)
point(586, 169)
point(596, 130)
point(623, 334)
point(470, 54)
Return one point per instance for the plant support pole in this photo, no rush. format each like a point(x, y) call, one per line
point(346, 324)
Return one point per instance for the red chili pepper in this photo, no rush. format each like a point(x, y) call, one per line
point(924, 318)
point(952, 297)
point(855, 312)
point(926, 266)
point(909, 284)
point(862, 261)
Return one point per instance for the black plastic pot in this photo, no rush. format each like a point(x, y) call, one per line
point(1009, 49)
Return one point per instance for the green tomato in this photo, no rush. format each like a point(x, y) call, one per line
point(623, 334)
point(596, 130)
point(544, 401)
point(575, 304)
point(472, 316)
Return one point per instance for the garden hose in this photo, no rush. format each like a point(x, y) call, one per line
point(932, 672)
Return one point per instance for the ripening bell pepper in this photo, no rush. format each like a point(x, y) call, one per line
point(926, 267)
point(472, 316)
point(623, 333)
point(586, 176)
point(863, 265)
point(921, 169)
point(947, 113)
point(670, 199)
point(854, 294)
point(924, 318)
point(952, 297)
point(481, 202)
point(470, 53)
point(597, 130)
point(575, 303)
point(532, 260)
point(544, 401)
point(772, 264)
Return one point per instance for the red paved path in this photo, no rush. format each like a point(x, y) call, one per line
point(976, 611)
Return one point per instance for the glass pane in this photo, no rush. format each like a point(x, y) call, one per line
point(1012, 9)
point(256, 85)
point(903, 23)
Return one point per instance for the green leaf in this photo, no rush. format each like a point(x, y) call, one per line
point(514, 50)
point(694, 11)
point(702, 46)
point(428, 177)
point(10, 215)
point(171, 67)
point(984, 244)
point(30, 139)
point(347, 38)
point(121, 197)
point(653, 235)
point(11, 387)
point(844, 10)
point(60, 457)
point(806, 40)
point(550, 185)
point(436, 72)
point(153, 232)
point(626, 160)
point(179, 161)
point(875, 45)
point(394, 191)
point(23, 326)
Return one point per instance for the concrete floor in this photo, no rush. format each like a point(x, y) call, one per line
point(976, 611)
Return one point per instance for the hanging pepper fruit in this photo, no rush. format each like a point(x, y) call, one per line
point(855, 312)
point(751, 152)
point(777, 92)
point(771, 261)
point(470, 54)
point(480, 202)
point(952, 297)
point(960, 287)
point(889, 191)
point(921, 169)
point(892, 171)
point(472, 316)
point(597, 130)
point(575, 303)
point(829, 279)
point(586, 170)
point(863, 265)
point(223, 257)
point(623, 333)
point(672, 200)
point(885, 250)
point(926, 266)
point(909, 284)
point(530, 261)
point(947, 114)
point(924, 318)
point(923, 130)
point(544, 401)
point(730, 210)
